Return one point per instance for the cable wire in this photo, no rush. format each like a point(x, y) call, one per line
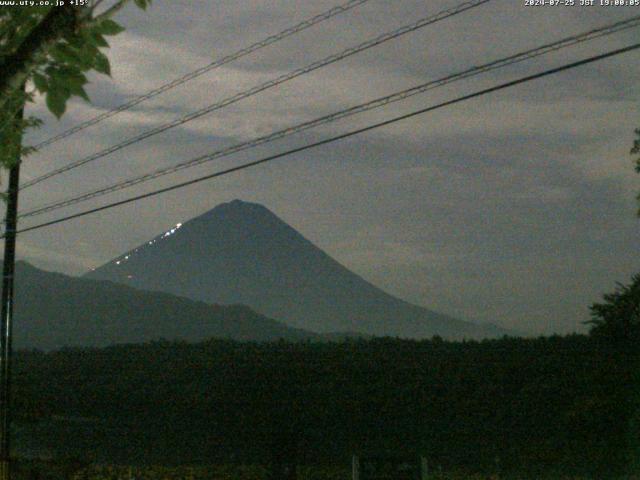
point(207, 68)
point(379, 102)
point(270, 158)
point(423, 22)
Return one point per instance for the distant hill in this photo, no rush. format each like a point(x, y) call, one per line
point(241, 252)
point(54, 310)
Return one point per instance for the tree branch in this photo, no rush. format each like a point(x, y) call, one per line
point(17, 67)
point(111, 11)
point(96, 4)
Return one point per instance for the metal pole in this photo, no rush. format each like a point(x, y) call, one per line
point(424, 469)
point(7, 316)
point(355, 467)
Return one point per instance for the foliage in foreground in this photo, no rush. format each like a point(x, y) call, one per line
point(536, 406)
point(56, 471)
point(48, 50)
point(618, 316)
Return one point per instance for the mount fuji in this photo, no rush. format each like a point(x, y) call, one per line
point(242, 253)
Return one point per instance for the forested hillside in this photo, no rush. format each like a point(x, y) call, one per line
point(540, 406)
point(69, 311)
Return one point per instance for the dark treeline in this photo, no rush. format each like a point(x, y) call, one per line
point(547, 405)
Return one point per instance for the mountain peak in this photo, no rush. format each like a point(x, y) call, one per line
point(241, 205)
point(241, 252)
point(238, 204)
point(238, 209)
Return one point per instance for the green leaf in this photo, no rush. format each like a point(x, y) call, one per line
point(79, 91)
point(75, 87)
point(77, 40)
point(65, 53)
point(89, 52)
point(101, 64)
point(99, 40)
point(141, 4)
point(40, 81)
point(72, 80)
point(77, 78)
point(63, 82)
point(57, 101)
point(71, 74)
point(90, 36)
point(109, 27)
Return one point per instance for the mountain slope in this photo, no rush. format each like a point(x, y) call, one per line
point(241, 252)
point(54, 310)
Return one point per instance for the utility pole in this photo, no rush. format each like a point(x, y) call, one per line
point(11, 222)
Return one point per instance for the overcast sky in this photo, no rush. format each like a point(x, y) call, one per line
point(516, 208)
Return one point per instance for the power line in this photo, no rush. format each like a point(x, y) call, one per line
point(423, 22)
point(338, 137)
point(379, 102)
point(207, 68)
